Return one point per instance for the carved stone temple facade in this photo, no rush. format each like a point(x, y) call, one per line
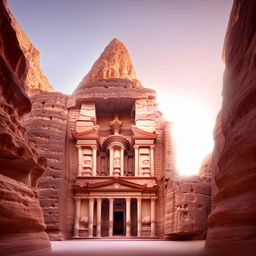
point(110, 156)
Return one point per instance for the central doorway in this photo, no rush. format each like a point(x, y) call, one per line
point(119, 217)
point(118, 223)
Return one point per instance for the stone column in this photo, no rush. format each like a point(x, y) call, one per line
point(138, 217)
point(90, 223)
point(136, 148)
point(152, 169)
point(153, 217)
point(111, 158)
point(111, 213)
point(94, 157)
point(80, 156)
point(99, 200)
point(128, 216)
point(122, 161)
point(77, 217)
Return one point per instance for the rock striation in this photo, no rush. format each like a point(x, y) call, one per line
point(205, 171)
point(115, 62)
point(35, 81)
point(21, 219)
point(232, 226)
point(46, 125)
point(187, 208)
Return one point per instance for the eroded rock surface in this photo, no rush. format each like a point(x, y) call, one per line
point(20, 164)
point(187, 208)
point(35, 80)
point(114, 62)
point(46, 125)
point(232, 226)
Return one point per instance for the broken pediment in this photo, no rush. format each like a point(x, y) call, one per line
point(142, 134)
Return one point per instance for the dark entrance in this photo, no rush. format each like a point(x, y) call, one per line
point(118, 223)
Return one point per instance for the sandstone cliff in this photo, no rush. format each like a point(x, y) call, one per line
point(21, 219)
point(115, 62)
point(232, 226)
point(46, 125)
point(35, 81)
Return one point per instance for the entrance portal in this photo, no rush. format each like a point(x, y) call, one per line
point(118, 223)
point(119, 217)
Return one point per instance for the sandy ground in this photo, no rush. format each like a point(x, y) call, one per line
point(127, 248)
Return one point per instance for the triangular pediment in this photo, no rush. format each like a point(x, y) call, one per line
point(114, 184)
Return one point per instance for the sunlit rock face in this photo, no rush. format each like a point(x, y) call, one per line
point(21, 218)
point(205, 171)
point(35, 80)
point(232, 227)
point(187, 208)
point(114, 63)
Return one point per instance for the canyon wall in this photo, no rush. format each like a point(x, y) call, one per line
point(21, 218)
point(232, 225)
point(46, 125)
point(35, 80)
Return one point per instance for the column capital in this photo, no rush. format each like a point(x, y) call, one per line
point(152, 146)
point(136, 146)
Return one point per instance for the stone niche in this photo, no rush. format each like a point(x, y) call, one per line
point(144, 161)
point(87, 161)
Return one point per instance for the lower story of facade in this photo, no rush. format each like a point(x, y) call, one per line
point(116, 207)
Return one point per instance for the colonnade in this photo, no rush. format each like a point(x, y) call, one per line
point(111, 216)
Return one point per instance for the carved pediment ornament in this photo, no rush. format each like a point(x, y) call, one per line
point(116, 124)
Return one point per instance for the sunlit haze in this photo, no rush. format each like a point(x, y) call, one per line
point(192, 130)
point(175, 45)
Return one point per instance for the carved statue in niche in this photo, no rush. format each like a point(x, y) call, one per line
point(84, 220)
point(116, 124)
point(117, 162)
point(145, 220)
point(87, 162)
point(144, 161)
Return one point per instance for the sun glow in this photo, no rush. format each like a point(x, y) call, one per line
point(192, 131)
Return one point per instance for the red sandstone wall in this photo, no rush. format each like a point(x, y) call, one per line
point(46, 125)
point(232, 225)
point(187, 208)
point(21, 219)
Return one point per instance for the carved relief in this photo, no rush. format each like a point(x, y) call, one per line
point(87, 162)
point(144, 161)
point(117, 162)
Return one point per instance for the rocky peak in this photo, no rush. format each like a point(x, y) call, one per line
point(35, 81)
point(114, 62)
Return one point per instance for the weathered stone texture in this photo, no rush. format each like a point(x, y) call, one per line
point(232, 226)
point(187, 208)
point(205, 171)
point(20, 164)
point(114, 62)
point(35, 80)
point(46, 125)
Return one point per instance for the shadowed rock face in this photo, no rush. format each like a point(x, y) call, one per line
point(21, 219)
point(35, 80)
point(114, 62)
point(232, 226)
